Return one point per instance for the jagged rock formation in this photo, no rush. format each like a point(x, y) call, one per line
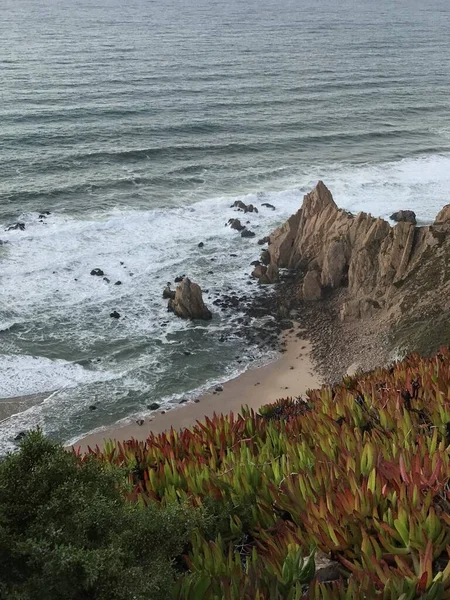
point(188, 302)
point(386, 270)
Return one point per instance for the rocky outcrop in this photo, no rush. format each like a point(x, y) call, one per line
point(245, 207)
point(395, 269)
point(407, 216)
point(188, 302)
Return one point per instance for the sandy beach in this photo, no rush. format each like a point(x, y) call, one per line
point(292, 374)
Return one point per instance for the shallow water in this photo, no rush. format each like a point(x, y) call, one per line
point(138, 125)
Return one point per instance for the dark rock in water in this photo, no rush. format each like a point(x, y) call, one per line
point(20, 226)
point(106, 279)
point(201, 244)
point(407, 216)
point(255, 263)
point(168, 293)
point(218, 388)
point(97, 272)
point(20, 436)
point(265, 257)
point(264, 240)
point(122, 263)
point(140, 422)
point(267, 205)
point(118, 283)
point(236, 224)
point(115, 314)
point(153, 406)
point(44, 214)
point(246, 233)
point(250, 208)
point(2, 243)
point(239, 205)
point(188, 302)
point(187, 353)
point(234, 255)
point(92, 407)
point(183, 401)
point(179, 278)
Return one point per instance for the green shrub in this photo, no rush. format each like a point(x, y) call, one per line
point(68, 532)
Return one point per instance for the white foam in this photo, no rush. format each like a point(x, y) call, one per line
point(25, 375)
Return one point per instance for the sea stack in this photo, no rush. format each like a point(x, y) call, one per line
point(188, 302)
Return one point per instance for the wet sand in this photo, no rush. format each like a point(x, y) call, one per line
point(291, 375)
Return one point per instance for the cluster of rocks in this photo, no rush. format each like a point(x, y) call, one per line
point(239, 205)
point(237, 225)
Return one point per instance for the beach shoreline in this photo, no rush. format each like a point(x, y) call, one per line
point(290, 375)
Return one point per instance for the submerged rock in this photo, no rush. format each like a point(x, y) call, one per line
point(16, 226)
point(97, 272)
point(153, 406)
point(188, 302)
point(246, 233)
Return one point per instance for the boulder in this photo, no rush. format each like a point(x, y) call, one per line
point(188, 302)
point(246, 233)
point(265, 257)
point(272, 273)
point(153, 406)
point(312, 287)
point(236, 224)
point(259, 271)
point(267, 205)
point(115, 314)
point(250, 208)
point(118, 283)
point(97, 272)
point(200, 244)
point(264, 240)
point(239, 205)
point(404, 216)
point(179, 278)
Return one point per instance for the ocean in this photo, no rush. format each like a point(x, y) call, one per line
point(136, 125)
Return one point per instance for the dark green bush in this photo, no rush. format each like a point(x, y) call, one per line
point(68, 532)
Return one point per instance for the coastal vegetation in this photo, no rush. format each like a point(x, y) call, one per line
point(354, 476)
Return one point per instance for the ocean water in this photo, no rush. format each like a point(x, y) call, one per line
point(137, 125)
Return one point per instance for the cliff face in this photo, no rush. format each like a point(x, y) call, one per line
point(389, 271)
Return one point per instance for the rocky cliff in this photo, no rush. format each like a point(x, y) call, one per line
point(397, 273)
